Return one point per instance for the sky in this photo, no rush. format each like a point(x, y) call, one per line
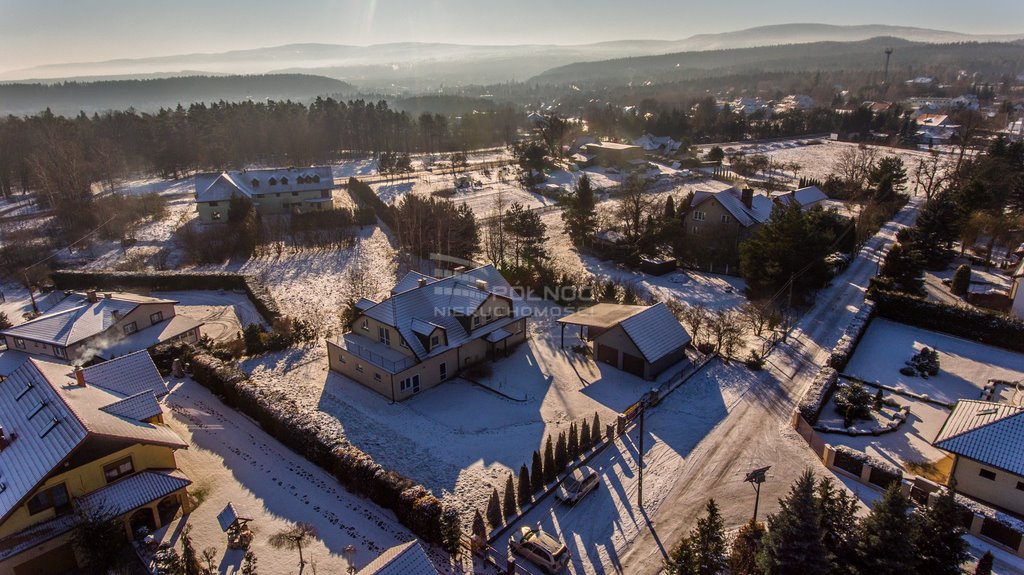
point(35, 32)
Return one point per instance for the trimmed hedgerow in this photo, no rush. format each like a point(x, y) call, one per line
point(814, 399)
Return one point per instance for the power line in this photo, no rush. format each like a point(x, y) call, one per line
point(69, 246)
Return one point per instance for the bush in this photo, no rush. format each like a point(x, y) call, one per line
point(853, 401)
point(961, 281)
point(755, 362)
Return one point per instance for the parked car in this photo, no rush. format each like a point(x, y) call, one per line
point(541, 549)
point(582, 481)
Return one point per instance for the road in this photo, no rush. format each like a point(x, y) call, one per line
point(701, 441)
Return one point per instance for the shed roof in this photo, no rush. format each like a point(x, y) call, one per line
point(987, 432)
point(602, 315)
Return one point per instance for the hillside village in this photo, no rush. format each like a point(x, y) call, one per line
point(549, 339)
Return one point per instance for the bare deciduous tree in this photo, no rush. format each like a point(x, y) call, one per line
point(294, 538)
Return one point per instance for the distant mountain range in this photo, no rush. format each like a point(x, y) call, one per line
point(147, 95)
point(421, 66)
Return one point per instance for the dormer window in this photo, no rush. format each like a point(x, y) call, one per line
point(476, 321)
point(316, 179)
point(255, 183)
point(435, 341)
point(272, 181)
point(301, 180)
point(284, 181)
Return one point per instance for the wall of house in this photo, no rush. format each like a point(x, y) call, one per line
point(85, 479)
point(1017, 297)
point(655, 369)
point(429, 372)
point(53, 556)
point(206, 211)
point(271, 202)
point(712, 223)
point(1001, 491)
point(616, 337)
point(141, 316)
point(494, 307)
point(35, 347)
point(372, 332)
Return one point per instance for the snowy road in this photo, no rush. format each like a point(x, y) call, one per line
point(701, 441)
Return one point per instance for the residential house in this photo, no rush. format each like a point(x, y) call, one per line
point(427, 331)
point(87, 326)
point(613, 154)
point(985, 439)
point(1017, 291)
point(272, 191)
point(641, 340)
point(806, 198)
point(658, 144)
point(719, 221)
point(405, 559)
point(74, 439)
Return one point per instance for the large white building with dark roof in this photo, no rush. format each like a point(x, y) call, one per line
point(272, 191)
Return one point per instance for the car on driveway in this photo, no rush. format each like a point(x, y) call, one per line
point(582, 481)
point(541, 549)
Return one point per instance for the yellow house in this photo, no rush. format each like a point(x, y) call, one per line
point(987, 441)
point(82, 439)
point(428, 331)
point(86, 326)
point(274, 191)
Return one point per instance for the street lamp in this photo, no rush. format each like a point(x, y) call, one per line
point(756, 478)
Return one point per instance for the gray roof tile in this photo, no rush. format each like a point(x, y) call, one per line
point(987, 432)
point(656, 332)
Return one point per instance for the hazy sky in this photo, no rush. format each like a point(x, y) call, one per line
point(34, 32)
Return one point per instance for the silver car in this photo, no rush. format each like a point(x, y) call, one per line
point(541, 549)
point(582, 481)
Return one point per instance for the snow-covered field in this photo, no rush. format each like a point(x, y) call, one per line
point(224, 314)
point(965, 367)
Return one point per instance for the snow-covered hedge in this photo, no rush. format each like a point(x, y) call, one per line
point(415, 506)
point(843, 350)
point(172, 281)
point(975, 325)
point(883, 466)
point(989, 513)
point(814, 399)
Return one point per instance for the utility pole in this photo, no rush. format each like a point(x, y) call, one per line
point(756, 478)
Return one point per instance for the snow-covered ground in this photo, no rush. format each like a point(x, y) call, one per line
point(223, 313)
point(965, 367)
point(230, 459)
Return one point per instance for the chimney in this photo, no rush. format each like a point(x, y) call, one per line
point(421, 282)
point(481, 285)
point(108, 295)
point(91, 296)
point(3, 439)
point(80, 376)
point(747, 196)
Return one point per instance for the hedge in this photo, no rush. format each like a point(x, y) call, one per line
point(814, 399)
point(413, 504)
point(975, 325)
point(846, 345)
point(172, 281)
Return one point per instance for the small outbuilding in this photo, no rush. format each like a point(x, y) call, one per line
point(641, 340)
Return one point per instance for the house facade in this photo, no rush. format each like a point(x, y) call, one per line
point(1017, 292)
point(272, 192)
point(427, 331)
point(87, 326)
point(76, 440)
point(717, 222)
point(985, 439)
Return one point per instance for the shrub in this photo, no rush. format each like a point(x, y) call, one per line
point(961, 281)
point(853, 402)
point(755, 362)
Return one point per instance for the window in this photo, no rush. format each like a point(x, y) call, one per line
point(384, 335)
point(19, 343)
point(285, 204)
point(131, 328)
point(435, 341)
point(1020, 486)
point(341, 358)
point(255, 183)
point(408, 383)
point(990, 475)
point(725, 219)
point(272, 181)
point(444, 371)
point(214, 204)
point(359, 367)
point(118, 469)
point(699, 216)
point(295, 193)
point(59, 352)
point(376, 377)
point(284, 181)
point(476, 320)
point(402, 342)
point(366, 325)
point(215, 216)
point(156, 317)
point(55, 497)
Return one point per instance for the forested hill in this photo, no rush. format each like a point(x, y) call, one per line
point(68, 98)
point(909, 59)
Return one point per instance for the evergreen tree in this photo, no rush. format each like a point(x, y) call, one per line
point(494, 518)
point(940, 544)
point(249, 564)
point(791, 241)
point(904, 267)
point(561, 453)
point(595, 429)
point(794, 544)
point(550, 469)
point(670, 209)
point(936, 231)
point(509, 501)
point(961, 281)
point(98, 537)
point(743, 557)
point(681, 558)
point(537, 473)
point(580, 215)
point(708, 541)
point(838, 511)
point(885, 538)
point(573, 445)
point(586, 438)
point(451, 530)
point(985, 564)
point(524, 492)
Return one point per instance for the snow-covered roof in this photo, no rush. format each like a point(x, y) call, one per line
point(229, 516)
point(987, 432)
point(411, 281)
point(405, 559)
point(11, 360)
point(732, 200)
point(364, 304)
point(140, 407)
point(610, 146)
point(75, 318)
point(127, 375)
point(151, 336)
point(656, 332)
point(932, 120)
point(438, 303)
point(249, 183)
point(135, 491)
point(46, 416)
point(805, 197)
